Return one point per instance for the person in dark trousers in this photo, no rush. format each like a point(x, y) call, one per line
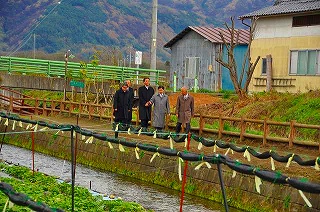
point(161, 107)
point(184, 110)
point(131, 98)
point(145, 93)
point(122, 104)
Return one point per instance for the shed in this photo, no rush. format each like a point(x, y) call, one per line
point(193, 57)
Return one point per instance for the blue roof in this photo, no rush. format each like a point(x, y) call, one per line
point(282, 7)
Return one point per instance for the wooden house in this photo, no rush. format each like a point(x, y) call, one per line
point(193, 57)
point(289, 32)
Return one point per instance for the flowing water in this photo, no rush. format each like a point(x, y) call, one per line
point(148, 195)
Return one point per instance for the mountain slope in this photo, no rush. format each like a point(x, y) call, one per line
point(83, 24)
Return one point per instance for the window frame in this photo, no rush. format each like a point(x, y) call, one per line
point(195, 61)
point(297, 62)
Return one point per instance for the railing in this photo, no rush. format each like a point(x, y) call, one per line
point(52, 68)
point(244, 125)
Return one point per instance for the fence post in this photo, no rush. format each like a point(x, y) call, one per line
point(137, 115)
point(44, 107)
point(242, 128)
point(292, 133)
point(201, 124)
point(80, 109)
point(265, 132)
point(11, 104)
point(53, 107)
point(36, 105)
point(61, 106)
point(101, 111)
point(167, 121)
point(70, 108)
point(89, 111)
point(220, 126)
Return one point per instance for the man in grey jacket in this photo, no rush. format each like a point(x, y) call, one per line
point(184, 109)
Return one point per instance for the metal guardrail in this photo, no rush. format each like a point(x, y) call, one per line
point(53, 68)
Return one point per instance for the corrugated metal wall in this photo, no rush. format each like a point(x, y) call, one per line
point(239, 52)
point(194, 45)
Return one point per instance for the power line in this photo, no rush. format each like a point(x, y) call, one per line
point(18, 46)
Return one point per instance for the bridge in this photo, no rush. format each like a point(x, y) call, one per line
point(77, 71)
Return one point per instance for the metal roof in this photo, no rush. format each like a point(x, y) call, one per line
point(286, 7)
point(212, 34)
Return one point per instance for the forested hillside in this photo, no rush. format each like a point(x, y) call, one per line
point(54, 26)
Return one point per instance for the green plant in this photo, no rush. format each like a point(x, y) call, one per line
point(286, 201)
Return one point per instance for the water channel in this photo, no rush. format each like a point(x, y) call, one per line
point(148, 195)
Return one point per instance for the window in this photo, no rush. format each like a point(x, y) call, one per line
point(307, 20)
point(192, 66)
point(305, 62)
point(264, 66)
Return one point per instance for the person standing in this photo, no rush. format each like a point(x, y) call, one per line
point(131, 98)
point(161, 107)
point(184, 109)
point(145, 93)
point(121, 104)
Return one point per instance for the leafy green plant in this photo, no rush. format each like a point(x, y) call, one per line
point(48, 190)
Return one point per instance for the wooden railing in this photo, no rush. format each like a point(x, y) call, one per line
point(242, 125)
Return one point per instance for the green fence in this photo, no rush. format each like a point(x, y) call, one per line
point(51, 68)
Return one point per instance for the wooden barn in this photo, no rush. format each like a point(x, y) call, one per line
point(193, 57)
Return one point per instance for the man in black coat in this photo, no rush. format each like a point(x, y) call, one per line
point(131, 97)
point(122, 104)
point(145, 93)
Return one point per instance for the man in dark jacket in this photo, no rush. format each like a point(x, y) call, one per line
point(121, 104)
point(145, 93)
point(131, 98)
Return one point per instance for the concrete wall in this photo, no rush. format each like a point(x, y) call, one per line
point(204, 182)
point(46, 83)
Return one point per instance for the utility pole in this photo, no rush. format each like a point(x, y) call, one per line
point(153, 44)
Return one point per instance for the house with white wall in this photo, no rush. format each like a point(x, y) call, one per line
point(288, 31)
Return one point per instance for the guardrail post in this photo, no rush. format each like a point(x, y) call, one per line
point(48, 71)
point(265, 132)
point(36, 105)
point(220, 126)
point(157, 77)
point(292, 133)
point(10, 64)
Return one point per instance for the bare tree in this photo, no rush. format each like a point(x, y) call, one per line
point(241, 86)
